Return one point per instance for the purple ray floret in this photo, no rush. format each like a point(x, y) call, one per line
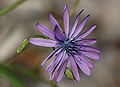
point(71, 46)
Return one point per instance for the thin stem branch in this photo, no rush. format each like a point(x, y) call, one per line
point(11, 7)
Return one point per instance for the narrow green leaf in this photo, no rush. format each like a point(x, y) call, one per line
point(69, 74)
point(11, 7)
point(6, 73)
point(22, 45)
point(24, 71)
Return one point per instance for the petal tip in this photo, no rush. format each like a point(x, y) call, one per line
point(94, 25)
point(49, 14)
point(88, 16)
point(41, 64)
point(50, 79)
point(65, 8)
point(82, 10)
point(78, 79)
point(88, 74)
point(97, 58)
point(47, 70)
point(57, 80)
point(37, 24)
point(79, 13)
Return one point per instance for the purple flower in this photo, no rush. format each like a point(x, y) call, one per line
point(70, 46)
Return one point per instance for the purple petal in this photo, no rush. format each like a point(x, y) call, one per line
point(75, 24)
point(86, 33)
point(54, 62)
point(44, 30)
point(51, 77)
point(74, 68)
point(91, 55)
point(87, 41)
point(51, 65)
point(54, 72)
point(58, 34)
point(53, 21)
point(84, 68)
point(89, 49)
point(80, 26)
point(43, 42)
point(50, 56)
point(61, 70)
point(87, 61)
point(66, 21)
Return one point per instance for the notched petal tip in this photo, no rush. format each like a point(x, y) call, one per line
point(94, 25)
point(99, 51)
point(49, 14)
point(37, 24)
point(79, 13)
point(41, 64)
point(77, 79)
point(88, 74)
point(87, 16)
point(57, 81)
point(82, 10)
point(65, 8)
point(50, 78)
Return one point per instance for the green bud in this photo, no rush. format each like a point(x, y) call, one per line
point(69, 74)
point(22, 45)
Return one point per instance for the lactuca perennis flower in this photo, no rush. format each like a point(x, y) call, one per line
point(70, 46)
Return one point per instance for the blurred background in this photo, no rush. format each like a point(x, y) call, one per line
point(22, 70)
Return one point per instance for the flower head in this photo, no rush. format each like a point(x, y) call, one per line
point(70, 46)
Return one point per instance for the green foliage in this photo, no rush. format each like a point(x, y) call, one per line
point(22, 45)
point(6, 72)
point(39, 36)
point(25, 42)
point(11, 7)
point(25, 71)
point(69, 74)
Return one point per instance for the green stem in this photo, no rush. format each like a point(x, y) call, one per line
point(11, 7)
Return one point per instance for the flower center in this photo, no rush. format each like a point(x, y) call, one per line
point(70, 46)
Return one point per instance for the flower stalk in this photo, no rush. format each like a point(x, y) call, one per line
point(11, 7)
